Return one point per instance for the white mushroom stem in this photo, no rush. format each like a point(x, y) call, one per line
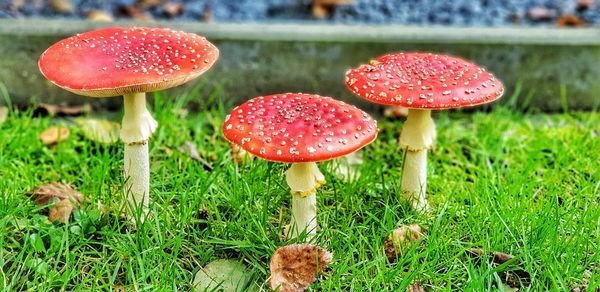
point(418, 134)
point(304, 179)
point(137, 127)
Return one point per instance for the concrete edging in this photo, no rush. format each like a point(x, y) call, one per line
point(261, 59)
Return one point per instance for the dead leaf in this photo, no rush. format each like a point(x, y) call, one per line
point(99, 130)
point(66, 196)
point(498, 257)
point(62, 6)
point(395, 112)
point(294, 267)
point(100, 16)
point(172, 9)
point(3, 114)
point(54, 135)
point(401, 239)
point(570, 20)
point(322, 8)
point(416, 288)
point(222, 275)
point(240, 155)
point(512, 277)
point(62, 110)
point(348, 166)
point(190, 148)
point(166, 150)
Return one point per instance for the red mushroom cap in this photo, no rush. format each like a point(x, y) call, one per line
point(424, 81)
point(116, 61)
point(297, 127)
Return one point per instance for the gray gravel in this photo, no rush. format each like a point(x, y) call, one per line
point(413, 12)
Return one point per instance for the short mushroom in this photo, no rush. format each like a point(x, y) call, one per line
point(422, 82)
point(301, 129)
point(129, 61)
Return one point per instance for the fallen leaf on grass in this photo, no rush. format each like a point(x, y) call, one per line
point(54, 135)
point(190, 148)
point(416, 288)
point(401, 239)
point(348, 166)
point(66, 196)
point(99, 130)
point(222, 275)
point(513, 277)
point(294, 267)
point(395, 112)
point(240, 155)
point(3, 114)
point(498, 257)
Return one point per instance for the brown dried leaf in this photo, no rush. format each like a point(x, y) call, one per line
point(401, 239)
point(54, 135)
point(62, 6)
point(416, 288)
point(322, 8)
point(240, 155)
point(498, 257)
point(3, 114)
point(172, 9)
point(99, 130)
point(395, 112)
point(67, 199)
point(100, 16)
point(570, 20)
point(294, 267)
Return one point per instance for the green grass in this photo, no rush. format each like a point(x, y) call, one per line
point(524, 184)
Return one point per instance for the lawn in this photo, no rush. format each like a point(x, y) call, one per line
point(524, 184)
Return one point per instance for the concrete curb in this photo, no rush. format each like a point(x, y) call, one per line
point(259, 59)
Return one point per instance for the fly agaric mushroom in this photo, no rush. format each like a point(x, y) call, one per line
point(301, 129)
point(129, 61)
point(422, 82)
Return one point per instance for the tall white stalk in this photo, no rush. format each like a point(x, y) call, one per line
point(137, 127)
point(418, 134)
point(304, 179)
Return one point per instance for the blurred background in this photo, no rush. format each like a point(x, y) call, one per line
point(414, 12)
point(547, 52)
